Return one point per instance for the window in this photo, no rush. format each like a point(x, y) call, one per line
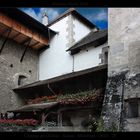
point(106, 57)
point(22, 80)
point(133, 108)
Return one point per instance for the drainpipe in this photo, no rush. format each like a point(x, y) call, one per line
point(72, 63)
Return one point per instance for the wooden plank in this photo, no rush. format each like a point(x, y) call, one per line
point(16, 35)
point(34, 45)
point(37, 46)
point(26, 40)
point(20, 38)
point(33, 42)
point(23, 29)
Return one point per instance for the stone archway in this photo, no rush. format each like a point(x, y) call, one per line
point(21, 78)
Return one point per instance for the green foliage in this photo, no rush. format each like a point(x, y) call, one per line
point(100, 125)
point(7, 124)
point(79, 94)
point(101, 128)
point(93, 126)
point(15, 128)
point(81, 97)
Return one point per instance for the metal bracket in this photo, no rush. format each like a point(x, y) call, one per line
point(9, 31)
point(29, 41)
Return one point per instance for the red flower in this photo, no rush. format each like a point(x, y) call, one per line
point(28, 122)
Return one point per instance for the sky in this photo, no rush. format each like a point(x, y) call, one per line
point(98, 16)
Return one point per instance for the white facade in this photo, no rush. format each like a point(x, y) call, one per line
point(88, 58)
point(56, 61)
point(80, 29)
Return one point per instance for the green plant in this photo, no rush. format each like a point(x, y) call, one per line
point(100, 125)
point(81, 98)
point(93, 126)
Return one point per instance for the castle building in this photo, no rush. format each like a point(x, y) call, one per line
point(68, 71)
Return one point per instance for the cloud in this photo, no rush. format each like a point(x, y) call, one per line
point(32, 13)
point(51, 12)
point(102, 16)
point(99, 16)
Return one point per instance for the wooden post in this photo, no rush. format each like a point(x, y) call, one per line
point(43, 119)
point(60, 119)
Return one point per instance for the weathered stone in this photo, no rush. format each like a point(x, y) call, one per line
point(123, 68)
point(10, 70)
point(112, 106)
point(115, 99)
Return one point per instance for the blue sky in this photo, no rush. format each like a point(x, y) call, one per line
point(98, 16)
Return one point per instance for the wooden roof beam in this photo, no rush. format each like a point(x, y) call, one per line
point(25, 41)
point(23, 29)
point(15, 35)
point(5, 31)
point(34, 44)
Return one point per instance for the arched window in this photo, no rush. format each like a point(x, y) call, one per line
point(22, 80)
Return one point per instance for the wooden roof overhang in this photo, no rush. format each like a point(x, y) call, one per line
point(18, 32)
point(61, 108)
point(43, 84)
point(35, 107)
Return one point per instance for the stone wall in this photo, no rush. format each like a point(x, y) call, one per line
point(10, 70)
point(123, 67)
point(113, 102)
point(124, 40)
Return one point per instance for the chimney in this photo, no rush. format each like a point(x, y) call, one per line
point(44, 18)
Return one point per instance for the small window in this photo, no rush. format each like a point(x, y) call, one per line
point(133, 109)
point(106, 57)
point(22, 80)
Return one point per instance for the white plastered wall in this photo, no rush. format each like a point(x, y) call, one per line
point(56, 61)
